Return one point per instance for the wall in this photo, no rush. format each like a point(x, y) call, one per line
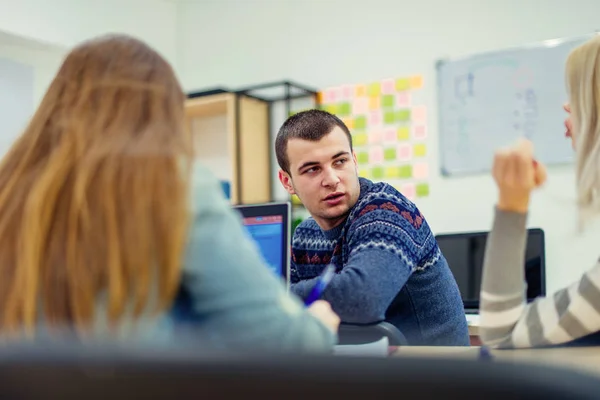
point(326, 43)
point(67, 22)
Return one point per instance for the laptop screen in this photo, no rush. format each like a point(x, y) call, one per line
point(268, 225)
point(465, 253)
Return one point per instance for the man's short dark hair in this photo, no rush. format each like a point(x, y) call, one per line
point(310, 125)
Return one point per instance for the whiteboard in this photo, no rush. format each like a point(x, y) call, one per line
point(16, 100)
point(489, 100)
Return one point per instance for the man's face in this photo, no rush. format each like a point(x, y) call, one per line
point(324, 175)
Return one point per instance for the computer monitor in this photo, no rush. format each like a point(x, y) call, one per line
point(465, 253)
point(269, 226)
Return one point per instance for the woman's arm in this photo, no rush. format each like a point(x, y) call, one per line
point(237, 298)
point(507, 321)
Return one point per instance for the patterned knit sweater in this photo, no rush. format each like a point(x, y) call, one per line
point(389, 267)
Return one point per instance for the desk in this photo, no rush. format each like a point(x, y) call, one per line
point(586, 359)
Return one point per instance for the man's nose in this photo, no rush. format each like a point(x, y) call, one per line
point(330, 177)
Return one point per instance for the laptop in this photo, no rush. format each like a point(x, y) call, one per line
point(465, 253)
point(269, 225)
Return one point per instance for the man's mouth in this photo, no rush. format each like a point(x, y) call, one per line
point(334, 196)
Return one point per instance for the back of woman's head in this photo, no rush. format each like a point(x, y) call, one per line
point(583, 83)
point(93, 194)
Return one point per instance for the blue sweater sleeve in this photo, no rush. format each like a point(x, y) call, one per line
point(381, 260)
point(234, 295)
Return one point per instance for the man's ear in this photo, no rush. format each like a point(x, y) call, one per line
point(286, 181)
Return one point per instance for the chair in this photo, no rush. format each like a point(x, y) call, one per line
point(360, 334)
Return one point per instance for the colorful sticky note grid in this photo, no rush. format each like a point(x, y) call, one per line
point(416, 82)
point(402, 84)
point(403, 115)
point(409, 190)
point(420, 150)
point(420, 132)
point(403, 99)
point(374, 103)
point(389, 135)
point(389, 117)
point(387, 86)
point(360, 139)
point(349, 122)
point(375, 118)
point(375, 136)
point(343, 109)
point(422, 190)
point(387, 101)
point(389, 154)
point(405, 171)
point(403, 133)
point(347, 92)
point(360, 122)
point(361, 90)
point(420, 170)
point(360, 106)
point(375, 155)
point(404, 152)
point(362, 157)
point(391, 172)
point(419, 114)
point(365, 173)
point(374, 89)
point(377, 172)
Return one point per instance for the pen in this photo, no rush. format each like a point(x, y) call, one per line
point(321, 284)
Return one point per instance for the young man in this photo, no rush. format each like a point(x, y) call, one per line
point(389, 266)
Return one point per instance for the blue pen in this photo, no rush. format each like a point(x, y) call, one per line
point(321, 284)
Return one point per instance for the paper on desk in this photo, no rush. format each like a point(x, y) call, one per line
point(373, 349)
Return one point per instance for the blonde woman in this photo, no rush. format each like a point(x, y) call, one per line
point(573, 312)
point(104, 217)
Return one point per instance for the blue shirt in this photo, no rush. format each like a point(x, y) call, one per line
point(389, 268)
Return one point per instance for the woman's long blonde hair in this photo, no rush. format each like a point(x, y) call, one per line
point(583, 85)
point(94, 193)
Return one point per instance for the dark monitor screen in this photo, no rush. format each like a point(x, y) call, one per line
point(465, 253)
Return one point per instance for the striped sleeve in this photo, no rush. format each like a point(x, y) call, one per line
point(507, 321)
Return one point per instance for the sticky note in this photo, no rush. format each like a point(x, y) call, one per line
point(389, 117)
point(404, 152)
point(419, 114)
point(377, 172)
point(389, 135)
point(330, 95)
point(375, 118)
point(403, 115)
point(409, 190)
point(349, 122)
point(389, 154)
point(403, 133)
point(374, 103)
point(420, 170)
point(420, 132)
point(320, 96)
point(387, 86)
point(360, 90)
point(422, 190)
point(419, 150)
point(360, 122)
point(375, 155)
point(363, 172)
point(391, 172)
point(362, 157)
point(402, 84)
point(403, 99)
point(343, 109)
point(296, 200)
point(347, 92)
point(331, 108)
point(387, 101)
point(405, 171)
point(375, 136)
point(360, 106)
point(416, 82)
point(374, 89)
point(360, 139)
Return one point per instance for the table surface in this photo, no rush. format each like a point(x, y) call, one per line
point(586, 359)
